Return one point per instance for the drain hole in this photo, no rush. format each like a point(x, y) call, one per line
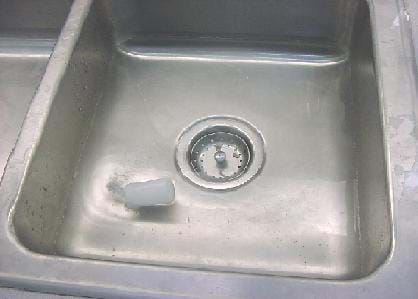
point(220, 154)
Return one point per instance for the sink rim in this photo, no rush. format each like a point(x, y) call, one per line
point(10, 187)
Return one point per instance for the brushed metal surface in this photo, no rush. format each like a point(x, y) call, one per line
point(113, 102)
point(319, 208)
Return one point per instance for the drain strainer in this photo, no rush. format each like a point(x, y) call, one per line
point(220, 153)
point(220, 157)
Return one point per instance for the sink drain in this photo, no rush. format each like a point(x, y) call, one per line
point(220, 157)
point(220, 153)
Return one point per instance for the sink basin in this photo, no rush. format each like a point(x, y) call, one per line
point(299, 75)
point(28, 32)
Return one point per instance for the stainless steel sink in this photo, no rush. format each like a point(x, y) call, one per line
point(301, 74)
point(288, 93)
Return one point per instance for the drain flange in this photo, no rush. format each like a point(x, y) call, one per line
point(220, 152)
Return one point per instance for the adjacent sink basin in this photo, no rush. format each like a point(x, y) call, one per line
point(300, 73)
point(27, 37)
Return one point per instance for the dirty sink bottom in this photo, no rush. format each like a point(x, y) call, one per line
point(297, 217)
